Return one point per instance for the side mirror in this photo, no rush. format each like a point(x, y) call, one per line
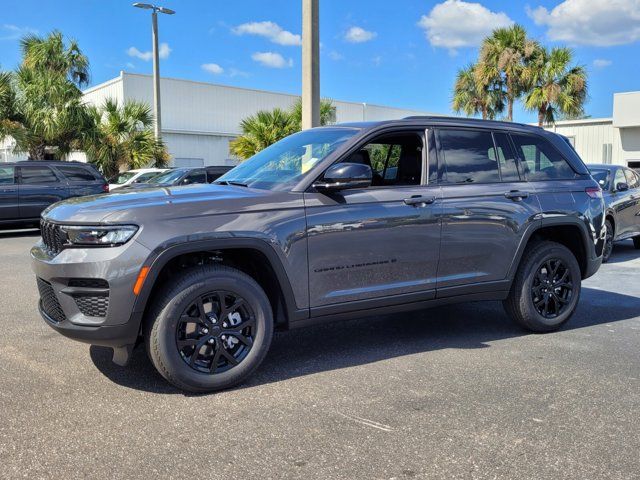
point(342, 176)
point(622, 187)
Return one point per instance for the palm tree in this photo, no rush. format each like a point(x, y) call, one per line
point(554, 86)
point(259, 131)
point(503, 56)
point(472, 98)
point(42, 105)
point(327, 112)
point(50, 54)
point(122, 137)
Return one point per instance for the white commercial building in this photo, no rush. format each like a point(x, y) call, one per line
point(608, 140)
point(199, 119)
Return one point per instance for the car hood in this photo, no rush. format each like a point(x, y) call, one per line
point(148, 204)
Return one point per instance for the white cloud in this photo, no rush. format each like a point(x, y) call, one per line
point(591, 22)
point(234, 72)
point(333, 55)
point(272, 60)
point(212, 68)
point(455, 24)
point(14, 32)
point(359, 35)
point(163, 52)
point(270, 30)
point(601, 62)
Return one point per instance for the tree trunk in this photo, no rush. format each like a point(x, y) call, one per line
point(37, 152)
point(541, 115)
point(510, 109)
point(485, 112)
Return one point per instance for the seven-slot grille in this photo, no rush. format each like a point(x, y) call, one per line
point(49, 301)
point(53, 236)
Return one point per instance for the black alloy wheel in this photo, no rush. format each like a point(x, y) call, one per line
point(608, 242)
point(216, 332)
point(552, 288)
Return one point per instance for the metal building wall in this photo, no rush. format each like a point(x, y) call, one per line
point(590, 138)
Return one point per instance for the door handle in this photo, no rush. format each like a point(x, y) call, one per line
point(419, 200)
point(516, 195)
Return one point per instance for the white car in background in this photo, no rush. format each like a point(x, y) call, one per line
point(140, 175)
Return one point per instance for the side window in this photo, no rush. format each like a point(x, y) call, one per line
point(469, 156)
point(77, 174)
point(506, 158)
point(541, 161)
point(619, 178)
point(7, 175)
point(37, 175)
point(632, 179)
point(395, 159)
point(145, 176)
point(199, 176)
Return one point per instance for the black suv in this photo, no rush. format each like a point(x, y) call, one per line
point(28, 187)
point(335, 222)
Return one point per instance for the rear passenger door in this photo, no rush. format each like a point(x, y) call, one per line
point(39, 187)
point(8, 194)
point(486, 209)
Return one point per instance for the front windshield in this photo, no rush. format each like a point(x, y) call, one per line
point(284, 163)
point(602, 177)
point(167, 177)
point(121, 178)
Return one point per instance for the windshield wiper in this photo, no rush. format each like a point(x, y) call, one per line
point(232, 182)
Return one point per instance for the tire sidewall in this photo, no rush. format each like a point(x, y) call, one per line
point(608, 243)
point(536, 261)
point(163, 333)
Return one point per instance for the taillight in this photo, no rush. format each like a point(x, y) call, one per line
point(105, 188)
point(594, 192)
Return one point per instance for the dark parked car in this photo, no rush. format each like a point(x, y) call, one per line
point(621, 187)
point(27, 188)
point(181, 176)
point(334, 222)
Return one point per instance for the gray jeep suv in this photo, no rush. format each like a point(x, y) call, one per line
point(334, 222)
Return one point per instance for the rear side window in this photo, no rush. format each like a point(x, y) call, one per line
point(37, 175)
point(7, 175)
point(540, 160)
point(469, 156)
point(77, 174)
point(506, 158)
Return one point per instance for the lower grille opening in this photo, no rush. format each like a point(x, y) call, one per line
point(49, 301)
point(93, 305)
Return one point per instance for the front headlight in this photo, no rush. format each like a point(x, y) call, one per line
point(99, 236)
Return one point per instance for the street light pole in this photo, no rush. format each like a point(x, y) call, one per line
point(156, 61)
point(310, 64)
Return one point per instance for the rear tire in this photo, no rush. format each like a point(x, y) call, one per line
point(636, 242)
point(545, 291)
point(211, 328)
point(608, 242)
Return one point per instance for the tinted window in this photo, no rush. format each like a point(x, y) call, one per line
point(77, 174)
point(469, 156)
point(142, 178)
point(395, 159)
point(506, 158)
point(540, 160)
point(37, 175)
point(7, 175)
point(198, 176)
point(632, 179)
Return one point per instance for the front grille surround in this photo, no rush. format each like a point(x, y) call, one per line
point(49, 301)
point(53, 236)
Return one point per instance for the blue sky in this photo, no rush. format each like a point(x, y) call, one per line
point(400, 53)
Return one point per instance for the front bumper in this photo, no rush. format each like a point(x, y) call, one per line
point(87, 293)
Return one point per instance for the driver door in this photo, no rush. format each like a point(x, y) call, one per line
point(366, 244)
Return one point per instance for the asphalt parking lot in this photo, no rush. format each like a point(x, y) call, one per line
point(454, 392)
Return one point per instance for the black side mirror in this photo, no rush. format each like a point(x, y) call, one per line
point(342, 176)
point(622, 187)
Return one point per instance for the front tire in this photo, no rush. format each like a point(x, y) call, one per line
point(608, 242)
point(546, 289)
point(211, 328)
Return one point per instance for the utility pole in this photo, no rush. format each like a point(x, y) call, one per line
point(156, 61)
point(310, 64)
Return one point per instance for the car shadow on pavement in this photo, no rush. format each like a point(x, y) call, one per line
point(623, 252)
point(351, 343)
